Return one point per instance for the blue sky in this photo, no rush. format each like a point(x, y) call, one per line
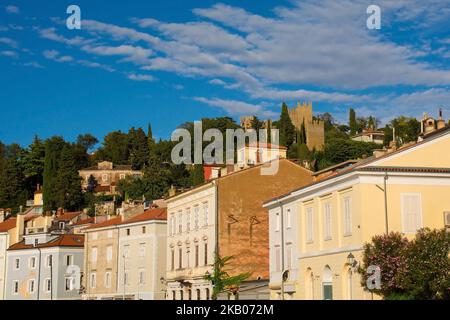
point(167, 62)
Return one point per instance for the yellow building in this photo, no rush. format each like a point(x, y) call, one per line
point(322, 223)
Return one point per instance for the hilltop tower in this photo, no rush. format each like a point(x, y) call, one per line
point(315, 130)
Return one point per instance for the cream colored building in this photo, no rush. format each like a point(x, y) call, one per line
point(190, 243)
point(142, 256)
point(322, 223)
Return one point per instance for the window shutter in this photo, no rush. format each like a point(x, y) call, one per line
point(412, 212)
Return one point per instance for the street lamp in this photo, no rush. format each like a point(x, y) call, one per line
point(351, 261)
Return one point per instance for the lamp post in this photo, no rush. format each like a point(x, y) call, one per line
point(352, 263)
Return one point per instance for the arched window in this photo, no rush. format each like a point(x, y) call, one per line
point(207, 293)
point(198, 294)
point(309, 284)
point(327, 283)
point(349, 284)
point(181, 294)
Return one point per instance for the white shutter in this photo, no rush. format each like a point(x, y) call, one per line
point(411, 212)
point(347, 217)
point(309, 224)
point(277, 259)
point(327, 221)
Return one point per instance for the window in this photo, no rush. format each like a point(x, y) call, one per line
point(142, 250)
point(128, 232)
point(108, 279)
point(289, 256)
point(15, 287)
point(196, 255)
point(69, 260)
point(47, 285)
point(347, 217)
point(126, 278)
point(141, 277)
point(31, 286)
point(172, 263)
point(411, 212)
point(206, 254)
point(196, 217)
point(198, 294)
point(93, 280)
point(94, 254)
point(207, 293)
point(181, 295)
point(126, 251)
point(17, 264)
point(173, 224)
point(104, 177)
point(169, 226)
point(277, 259)
point(309, 224)
point(180, 258)
point(62, 225)
point(277, 222)
point(327, 221)
point(69, 285)
point(180, 222)
point(188, 220)
point(288, 219)
point(32, 263)
point(121, 176)
point(109, 253)
point(205, 214)
point(36, 242)
point(143, 230)
point(189, 294)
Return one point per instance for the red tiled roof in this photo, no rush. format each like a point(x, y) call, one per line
point(65, 240)
point(107, 223)
point(11, 223)
point(69, 215)
point(84, 221)
point(152, 214)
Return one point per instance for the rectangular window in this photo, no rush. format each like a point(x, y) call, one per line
point(128, 232)
point(180, 258)
point(109, 253)
point(108, 279)
point(172, 260)
point(17, 264)
point(288, 219)
point(104, 177)
point(173, 224)
point(289, 256)
point(31, 286)
point(141, 277)
point(143, 230)
point(69, 285)
point(327, 221)
point(347, 217)
point(196, 218)
point(411, 212)
point(93, 280)
point(277, 221)
point(15, 287)
point(126, 278)
point(32, 262)
point(69, 260)
point(196, 255)
point(309, 224)
point(142, 250)
point(277, 259)
point(47, 285)
point(188, 220)
point(206, 254)
point(94, 254)
point(205, 214)
point(180, 222)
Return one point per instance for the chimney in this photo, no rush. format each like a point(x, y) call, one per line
point(172, 191)
point(59, 212)
point(20, 228)
point(441, 121)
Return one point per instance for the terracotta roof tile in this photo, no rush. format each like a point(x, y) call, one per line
point(107, 223)
point(65, 240)
point(84, 221)
point(152, 214)
point(68, 215)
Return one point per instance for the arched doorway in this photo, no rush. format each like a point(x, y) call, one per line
point(327, 284)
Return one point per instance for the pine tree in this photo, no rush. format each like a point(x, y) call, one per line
point(53, 147)
point(197, 175)
point(12, 184)
point(352, 121)
point(33, 162)
point(287, 129)
point(92, 184)
point(139, 152)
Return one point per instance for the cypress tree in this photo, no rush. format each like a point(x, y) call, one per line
point(53, 147)
point(287, 129)
point(197, 175)
point(139, 152)
point(352, 121)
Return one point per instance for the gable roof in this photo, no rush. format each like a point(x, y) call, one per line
point(65, 240)
point(152, 214)
point(68, 215)
point(107, 223)
point(11, 223)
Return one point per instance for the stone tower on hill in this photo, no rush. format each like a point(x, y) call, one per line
point(315, 131)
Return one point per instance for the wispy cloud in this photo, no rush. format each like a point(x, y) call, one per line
point(34, 64)
point(235, 107)
point(55, 56)
point(12, 9)
point(9, 54)
point(141, 77)
point(10, 42)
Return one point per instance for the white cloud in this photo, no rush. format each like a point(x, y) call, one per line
point(9, 54)
point(10, 42)
point(234, 107)
point(133, 54)
point(12, 9)
point(91, 64)
point(140, 77)
point(55, 56)
point(34, 64)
